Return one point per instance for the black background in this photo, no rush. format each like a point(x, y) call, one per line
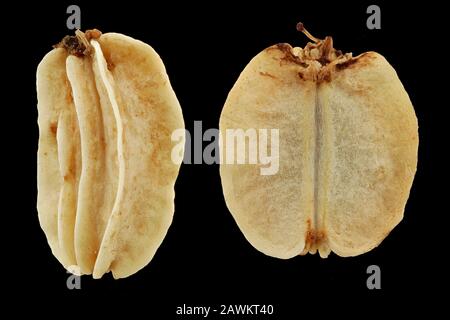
point(205, 259)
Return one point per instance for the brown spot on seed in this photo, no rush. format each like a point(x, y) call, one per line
point(313, 237)
point(266, 74)
point(346, 64)
point(309, 237)
point(110, 65)
point(289, 56)
point(361, 60)
point(320, 236)
point(324, 76)
point(53, 128)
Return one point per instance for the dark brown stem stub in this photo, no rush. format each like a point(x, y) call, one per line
point(78, 45)
point(73, 45)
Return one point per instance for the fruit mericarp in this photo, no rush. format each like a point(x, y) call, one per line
point(348, 140)
point(105, 174)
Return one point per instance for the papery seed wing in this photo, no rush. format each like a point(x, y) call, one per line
point(147, 112)
point(98, 181)
point(69, 158)
point(372, 154)
point(51, 74)
point(275, 211)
